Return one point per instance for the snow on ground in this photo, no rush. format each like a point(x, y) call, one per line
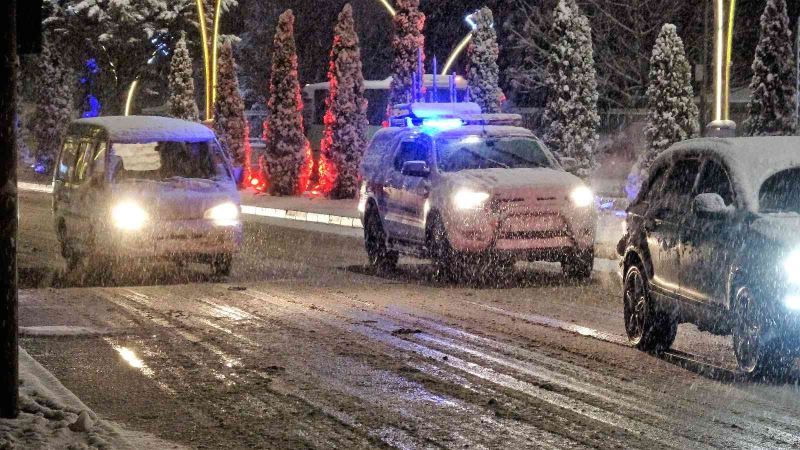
point(52, 417)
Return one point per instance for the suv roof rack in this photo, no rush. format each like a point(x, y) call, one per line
point(416, 114)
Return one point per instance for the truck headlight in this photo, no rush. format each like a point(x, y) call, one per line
point(226, 214)
point(129, 216)
point(582, 197)
point(468, 199)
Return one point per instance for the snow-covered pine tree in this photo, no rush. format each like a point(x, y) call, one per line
point(407, 40)
point(672, 115)
point(483, 73)
point(181, 103)
point(288, 152)
point(54, 102)
point(571, 109)
point(344, 141)
point(229, 120)
point(771, 107)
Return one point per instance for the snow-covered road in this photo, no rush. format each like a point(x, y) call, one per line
point(305, 347)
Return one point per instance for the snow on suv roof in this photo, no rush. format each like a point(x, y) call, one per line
point(141, 129)
point(751, 159)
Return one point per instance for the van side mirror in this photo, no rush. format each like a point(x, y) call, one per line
point(711, 206)
point(416, 169)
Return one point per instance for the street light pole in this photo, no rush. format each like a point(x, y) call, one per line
point(724, 19)
point(9, 222)
point(797, 91)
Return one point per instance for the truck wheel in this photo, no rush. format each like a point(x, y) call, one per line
point(221, 264)
point(755, 356)
point(447, 263)
point(578, 265)
point(647, 328)
point(380, 257)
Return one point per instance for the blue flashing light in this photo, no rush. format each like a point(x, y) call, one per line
point(434, 125)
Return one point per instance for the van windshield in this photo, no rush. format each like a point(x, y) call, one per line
point(164, 161)
point(481, 152)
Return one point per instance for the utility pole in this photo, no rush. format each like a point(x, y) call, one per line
point(797, 92)
point(704, 89)
point(9, 356)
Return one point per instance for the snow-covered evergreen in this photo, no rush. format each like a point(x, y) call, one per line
point(672, 114)
point(229, 120)
point(483, 73)
point(344, 141)
point(571, 110)
point(407, 40)
point(288, 153)
point(54, 102)
point(181, 103)
point(772, 105)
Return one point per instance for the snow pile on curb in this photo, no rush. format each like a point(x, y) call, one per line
point(52, 417)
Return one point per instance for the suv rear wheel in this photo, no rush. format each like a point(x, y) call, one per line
point(647, 328)
point(380, 257)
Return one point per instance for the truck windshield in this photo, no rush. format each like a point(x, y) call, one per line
point(163, 161)
point(481, 152)
point(781, 192)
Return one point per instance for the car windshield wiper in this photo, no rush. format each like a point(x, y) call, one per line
point(483, 157)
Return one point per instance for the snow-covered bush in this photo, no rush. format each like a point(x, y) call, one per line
point(483, 73)
point(771, 108)
point(54, 102)
point(181, 103)
point(407, 40)
point(288, 153)
point(672, 115)
point(344, 141)
point(571, 109)
point(229, 121)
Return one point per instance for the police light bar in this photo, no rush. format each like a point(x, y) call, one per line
point(432, 115)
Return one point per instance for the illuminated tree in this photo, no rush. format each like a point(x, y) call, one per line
point(181, 103)
point(54, 102)
point(288, 153)
point(346, 123)
point(407, 41)
point(772, 105)
point(229, 121)
point(483, 74)
point(571, 110)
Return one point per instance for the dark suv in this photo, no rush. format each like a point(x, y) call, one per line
point(713, 239)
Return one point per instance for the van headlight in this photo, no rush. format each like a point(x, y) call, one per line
point(582, 197)
point(469, 199)
point(129, 216)
point(226, 214)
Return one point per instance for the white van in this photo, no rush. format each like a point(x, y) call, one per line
point(145, 187)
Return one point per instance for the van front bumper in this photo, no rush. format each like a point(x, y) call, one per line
point(173, 239)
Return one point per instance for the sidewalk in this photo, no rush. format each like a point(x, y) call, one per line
point(51, 416)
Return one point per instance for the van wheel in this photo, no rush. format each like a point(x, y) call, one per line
point(756, 356)
point(647, 329)
point(221, 264)
point(380, 257)
point(578, 265)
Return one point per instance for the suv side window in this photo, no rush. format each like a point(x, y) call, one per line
point(410, 151)
point(654, 187)
point(675, 197)
point(67, 162)
point(715, 180)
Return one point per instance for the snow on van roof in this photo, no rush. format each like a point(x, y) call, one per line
point(752, 160)
point(143, 129)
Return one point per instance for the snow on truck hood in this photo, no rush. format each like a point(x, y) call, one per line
point(178, 198)
point(504, 179)
point(779, 228)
